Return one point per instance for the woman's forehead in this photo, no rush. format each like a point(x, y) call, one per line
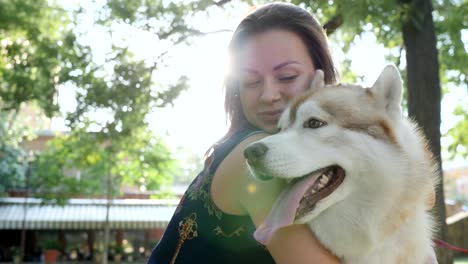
point(269, 50)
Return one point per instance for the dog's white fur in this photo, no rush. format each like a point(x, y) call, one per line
point(379, 212)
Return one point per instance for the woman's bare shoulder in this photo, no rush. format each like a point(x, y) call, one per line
point(231, 180)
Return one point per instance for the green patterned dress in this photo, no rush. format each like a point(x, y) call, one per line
point(199, 232)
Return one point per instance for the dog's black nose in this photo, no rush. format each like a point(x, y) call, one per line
point(255, 152)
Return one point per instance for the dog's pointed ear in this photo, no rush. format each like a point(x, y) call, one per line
point(388, 90)
point(318, 81)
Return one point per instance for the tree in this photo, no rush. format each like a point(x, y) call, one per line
point(460, 141)
point(12, 168)
point(45, 54)
point(77, 163)
point(42, 54)
point(129, 108)
point(31, 43)
point(424, 92)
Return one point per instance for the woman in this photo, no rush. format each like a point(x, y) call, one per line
point(275, 51)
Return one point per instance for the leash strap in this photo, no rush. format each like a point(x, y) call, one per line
point(443, 244)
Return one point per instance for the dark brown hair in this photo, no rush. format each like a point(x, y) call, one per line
point(276, 16)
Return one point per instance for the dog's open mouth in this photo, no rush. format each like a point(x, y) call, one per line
point(328, 180)
point(298, 199)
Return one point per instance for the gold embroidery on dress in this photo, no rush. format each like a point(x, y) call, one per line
point(219, 232)
point(198, 192)
point(187, 230)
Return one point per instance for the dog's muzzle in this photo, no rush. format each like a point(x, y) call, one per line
point(255, 152)
point(255, 155)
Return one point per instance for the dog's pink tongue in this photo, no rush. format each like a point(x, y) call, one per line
point(284, 210)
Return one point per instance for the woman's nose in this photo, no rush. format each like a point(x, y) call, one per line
point(271, 92)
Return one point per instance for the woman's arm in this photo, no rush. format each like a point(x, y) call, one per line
point(293, 244)
point(297, 244)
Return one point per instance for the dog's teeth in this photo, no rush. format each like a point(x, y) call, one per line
point(324, 180)
point(321, 185)
point(310, 192)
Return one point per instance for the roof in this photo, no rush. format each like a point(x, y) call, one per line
point(85, 214)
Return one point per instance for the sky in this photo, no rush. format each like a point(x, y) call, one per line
point(197, 119)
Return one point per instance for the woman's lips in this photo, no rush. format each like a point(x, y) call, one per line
point(271, 115)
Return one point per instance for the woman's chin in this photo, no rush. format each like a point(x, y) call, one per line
point(269, 127)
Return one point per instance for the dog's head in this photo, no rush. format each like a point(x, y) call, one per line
point(334, 141)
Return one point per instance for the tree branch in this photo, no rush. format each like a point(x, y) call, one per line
point(222, 2)
point(331, 25)
point(11, 119)
point(399, 55)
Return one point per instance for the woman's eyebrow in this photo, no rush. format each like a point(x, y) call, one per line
point(249, 70)
point(277, 67)
point(283, 64)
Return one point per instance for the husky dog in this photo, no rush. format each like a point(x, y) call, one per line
point(359, 174)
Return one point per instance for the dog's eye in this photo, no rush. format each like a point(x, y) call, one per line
point(313, 123)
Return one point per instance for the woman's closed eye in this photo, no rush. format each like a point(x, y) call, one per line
point(288, 78)
point(250, 83)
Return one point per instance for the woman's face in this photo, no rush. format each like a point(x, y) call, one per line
point(272, 67)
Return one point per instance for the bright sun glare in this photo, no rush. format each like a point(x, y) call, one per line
point(196, 119)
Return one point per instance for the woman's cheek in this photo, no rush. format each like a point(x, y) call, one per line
point(299, 88)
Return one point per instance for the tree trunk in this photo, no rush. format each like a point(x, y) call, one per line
point(90, 242)
point(106, 223)
point(424, 94)
point(25, 211)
